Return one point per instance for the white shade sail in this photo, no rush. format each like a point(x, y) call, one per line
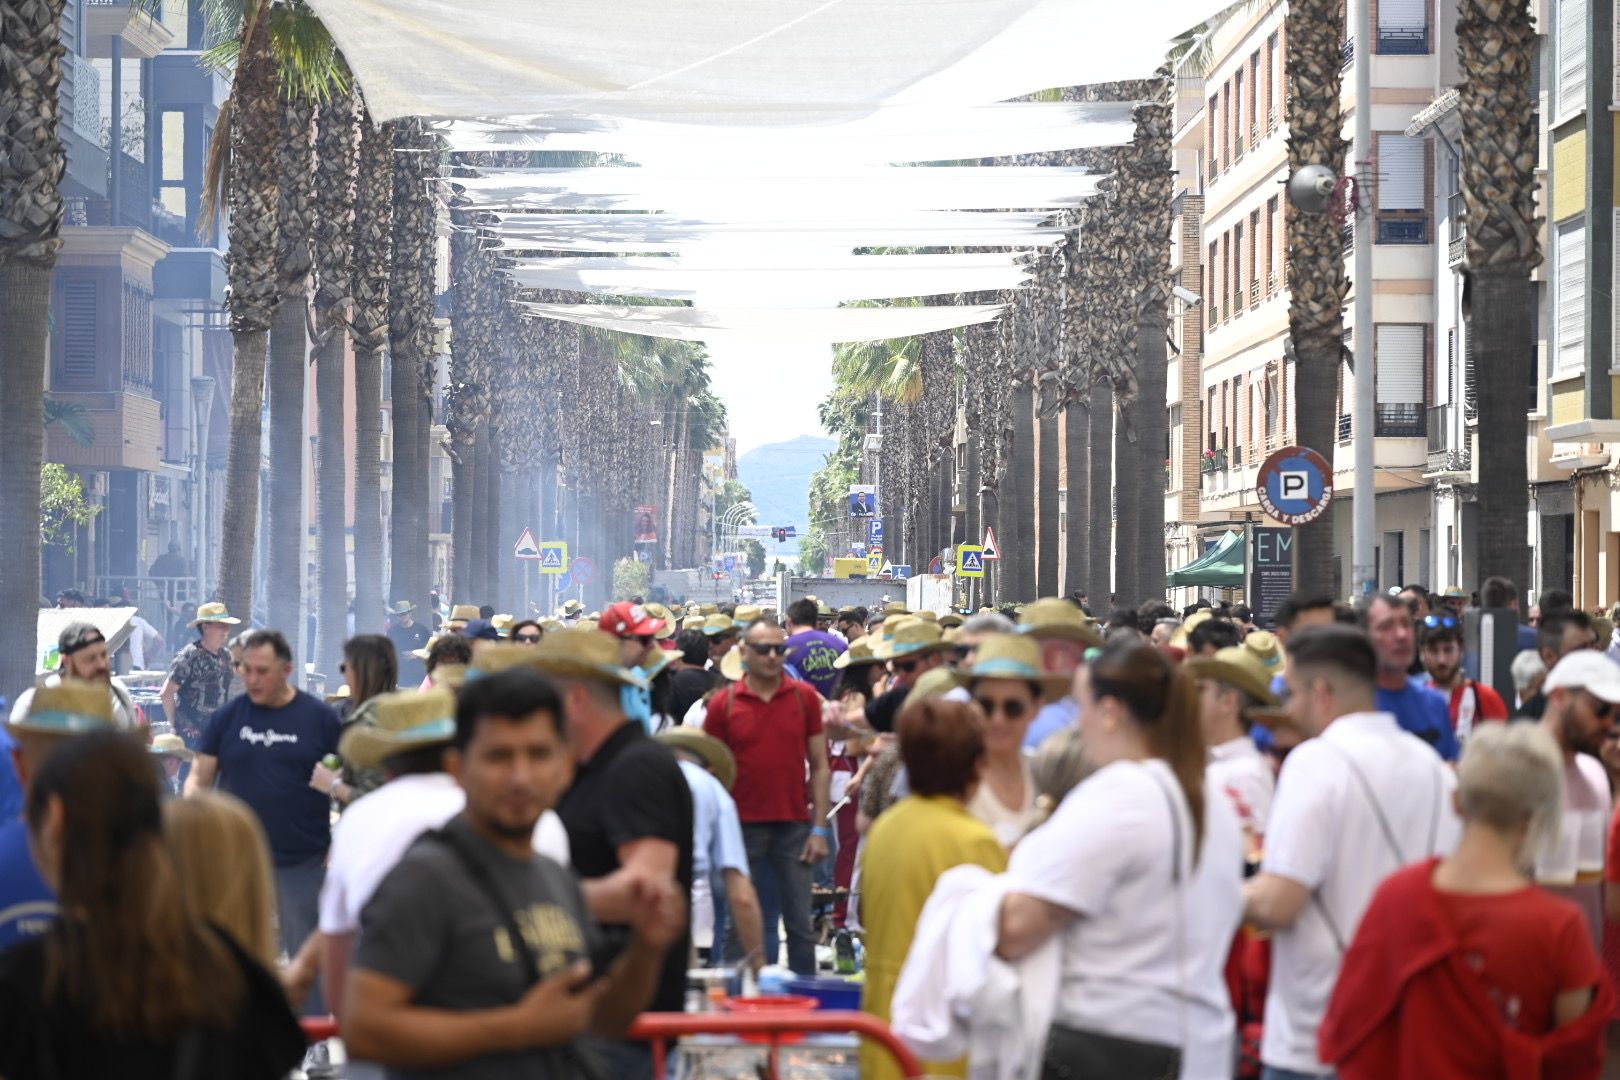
point(766, 286)
point(796, 325)
point(762, 62)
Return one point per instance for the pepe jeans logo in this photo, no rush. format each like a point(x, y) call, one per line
point(264, 738)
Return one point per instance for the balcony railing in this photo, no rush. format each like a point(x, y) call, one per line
point(1407, 42)
point(1271, 120)
point(1346, 427)
point(1402, 230)
point(1348, 51)
point(1444, 454)
point(1213, 461)
point(1254, 292)
point(1439, 427)
point(1349, 237)
point(1399, 421)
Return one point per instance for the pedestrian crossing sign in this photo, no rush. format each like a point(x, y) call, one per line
point(874, 562)
point(526, 548)
point(554, 557)
point(970, 560)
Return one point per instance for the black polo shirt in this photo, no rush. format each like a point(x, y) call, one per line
point(630, 789)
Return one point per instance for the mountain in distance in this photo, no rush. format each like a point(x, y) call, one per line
point(778, 475)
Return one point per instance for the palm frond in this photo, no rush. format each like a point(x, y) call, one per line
point(74, 418)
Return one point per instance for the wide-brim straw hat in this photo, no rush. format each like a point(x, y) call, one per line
point(950, 619)
point(913, 637)
point(859, 654)
point(731, 665)
point(571, 609)
point(168, 745)
point(1017, 658)
point(464, 613)
point(74, 707)
point(1243, 667)
point(936, 683)
point(213, 613)
point(401, 607)
point(397, 723)
point(1055, 617)
point(715, 755)
point(896, 607)
point(583, 652)
point(715, 625)
point(744, 615)
point(659, 611)
point(503, 625)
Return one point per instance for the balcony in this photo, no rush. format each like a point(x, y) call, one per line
point(1213, 461)
point(1403, 42)
point(1403, 227)
point(1457, 230)
point(1346, 427)
point(1399, 421)
point(1254, 292)
point(1444, 457)
point(1348, 51)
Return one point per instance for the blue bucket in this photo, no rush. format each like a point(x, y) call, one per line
point(840, 994)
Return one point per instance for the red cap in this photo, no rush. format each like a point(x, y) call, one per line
point(625, 619)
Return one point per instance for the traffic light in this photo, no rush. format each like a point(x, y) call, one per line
point(780, 533)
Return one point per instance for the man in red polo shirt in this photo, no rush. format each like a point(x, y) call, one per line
point(772, 724)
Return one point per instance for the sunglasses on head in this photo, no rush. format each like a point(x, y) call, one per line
point(1012, 710)
point(1436, 621)
point(766, 650)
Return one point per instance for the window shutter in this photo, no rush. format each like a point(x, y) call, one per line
point(1571, 44)
point(79, 318)
point(1571, 272)
point(1395, 16)
point(1400, 365)
point(1400, 173)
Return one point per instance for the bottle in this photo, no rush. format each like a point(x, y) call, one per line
point(844, 953)
point(332, 761)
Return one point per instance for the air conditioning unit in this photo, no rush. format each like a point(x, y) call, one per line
point(874, 444)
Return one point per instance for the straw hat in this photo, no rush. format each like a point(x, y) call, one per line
point(859, 654)
point(551, 624)
point(74, 707)
point(571, 609)
point(494, 659)
point(822, 610)
point(660, 659)
point(731, 664)
point(912, 638)
point(707, 610)
point(1248, 668)
point(715, 755)
point(338, 695)
point(1192, 622)
point(401, 607)
point(746, 614)
point(213, 613)
point(1016, 657)
point(925, 616)
point(717, 624)
point(450, 676)
point(659, 611)
point(503, 625)
point(399, 722)
point(936, 683)
point(464, 613)
point(583, 652)
point(170, 746)
point(895, 607)
point(950, 619)
point(1055, 617)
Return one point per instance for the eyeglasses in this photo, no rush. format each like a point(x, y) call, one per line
point(1601, 709)
point(1012, 710)
point(904, 667)
point(527, 639)
point(766, 650)
point(1435, 621)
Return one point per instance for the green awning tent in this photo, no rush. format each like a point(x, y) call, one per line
point(1220, 567)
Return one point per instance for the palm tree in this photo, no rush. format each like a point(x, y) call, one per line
point(1101, 509)
point(373, 249)
point(334, 246)
point(1497, 43)
point(1317, 281)
point(251, 119)
point(466, 405)
point(31, 169)
point(284, 509)
point(411, 350)
point(1077, 460)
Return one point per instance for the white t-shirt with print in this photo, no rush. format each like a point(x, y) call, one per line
point(1144, 958)
point(373, 834)
point(1325, 834)
point(1239, 771)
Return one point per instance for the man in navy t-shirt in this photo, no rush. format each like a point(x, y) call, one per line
point(812, 652)
point(1418, 708)
point(262, 747)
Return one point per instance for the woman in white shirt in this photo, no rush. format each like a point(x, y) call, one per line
point(1006, 681)
point(1138, 875)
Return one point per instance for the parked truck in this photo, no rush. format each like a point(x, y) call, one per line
point(870, 593)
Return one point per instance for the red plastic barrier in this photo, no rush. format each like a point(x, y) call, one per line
point(317, 1028)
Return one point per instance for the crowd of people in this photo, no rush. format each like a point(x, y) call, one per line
point(1143, 845)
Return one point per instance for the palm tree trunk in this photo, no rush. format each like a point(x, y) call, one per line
point(1127, 521)
point(250, 263)
point(25, 305)
point(493, 495)
point(1018, 542)
point(410, 330)
point(284, 509)
point(373, 251)
point(1047, 543)
point(464, 481)
point(1145, 487)
point(1101, 510)
point(1077, 452)
point(369, 603)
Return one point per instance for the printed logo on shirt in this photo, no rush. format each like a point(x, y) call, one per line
point(265, 738)
point(551, 933)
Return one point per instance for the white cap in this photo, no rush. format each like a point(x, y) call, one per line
point(1589, 670)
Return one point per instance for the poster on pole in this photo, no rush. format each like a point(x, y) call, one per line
point(862, 500)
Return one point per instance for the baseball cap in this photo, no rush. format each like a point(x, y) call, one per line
point(1589, 670)
point(481, 630)
point(625, 619)
point(78, 635)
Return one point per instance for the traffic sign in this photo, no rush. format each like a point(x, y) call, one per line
point(992, 550)
point(583, 570)
point(857, 551)
point(1295, 485)
point(553, 556)
point(730, 562)
point(902, 571)
point(887, 571)
point(874, 532)
point(526, 548)
point(970, 560)
point(936, 565)
point(565, 581)
point(874, 563)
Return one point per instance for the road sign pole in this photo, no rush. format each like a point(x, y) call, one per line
point(1363, 516)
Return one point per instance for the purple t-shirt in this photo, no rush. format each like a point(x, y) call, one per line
point(812, 653)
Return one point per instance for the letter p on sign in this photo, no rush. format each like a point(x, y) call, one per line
point(1294, 484)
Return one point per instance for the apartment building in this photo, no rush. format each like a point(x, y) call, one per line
point(1245, 383)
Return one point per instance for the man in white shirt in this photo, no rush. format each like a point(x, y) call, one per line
point(1582, 691)
point(406, 734)
point(1231, 684)
point(84, 654)
point(1354, 802)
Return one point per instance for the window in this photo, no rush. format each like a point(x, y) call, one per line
point(1240, 132)
point(1227, 153)
point(1402, 190)
point(1213, 119)
point(1239, 299)
point(1213, 304)
point(1570, 41)
point(1400, 358)
point(1254, 97)
point(1271, 246)
point(80, 315)
point(1403, 27)
point(1270, 72)
point(1570, 273)
point(1254, 242)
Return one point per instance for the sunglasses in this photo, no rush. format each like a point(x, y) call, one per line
point(904, 667)
point(527, 639)
point(1435, 621)
point(1601, 709)
point(1012, 710)
point(766, 650)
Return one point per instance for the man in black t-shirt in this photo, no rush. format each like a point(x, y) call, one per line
point(477, 958)
point(628, 813)
point(408, 636)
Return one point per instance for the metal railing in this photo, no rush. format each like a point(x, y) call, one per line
point(1254, 292)
point(1348, 51)
point(1346, 427)
point(1213, 461)
point(1403, 42)
point(1439, 427)
point(1398, 420)
point(1402, 230)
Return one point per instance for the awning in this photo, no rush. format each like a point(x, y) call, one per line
point(1220, 567)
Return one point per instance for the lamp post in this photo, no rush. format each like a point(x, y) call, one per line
point(1363, 518)
point(202, 403)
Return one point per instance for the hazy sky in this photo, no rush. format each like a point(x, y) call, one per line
point(771, 390)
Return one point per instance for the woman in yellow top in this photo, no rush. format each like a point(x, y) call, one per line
point(913, 843)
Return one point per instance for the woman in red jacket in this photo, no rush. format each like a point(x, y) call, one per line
point(1462, 967)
